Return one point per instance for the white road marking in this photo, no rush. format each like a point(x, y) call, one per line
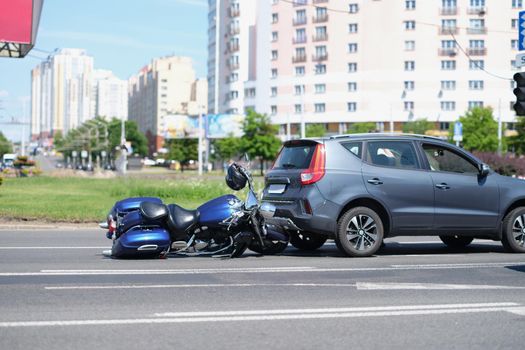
point(428, 286)
point(260, 270)
point(518, 311)
point(285, 314)
point(219, 285)
point(23, 248)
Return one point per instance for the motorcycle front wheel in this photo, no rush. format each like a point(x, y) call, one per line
point(270, 247)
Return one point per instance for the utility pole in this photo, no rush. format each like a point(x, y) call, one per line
point(500, 129)
point(123, 148)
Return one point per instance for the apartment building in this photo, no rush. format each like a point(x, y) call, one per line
point(164, 87)
point(110, 95)
point(385, 61)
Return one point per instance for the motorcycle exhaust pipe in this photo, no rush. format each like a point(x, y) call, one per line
point(275, 233)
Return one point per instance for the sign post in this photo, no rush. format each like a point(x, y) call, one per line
point(458, 132)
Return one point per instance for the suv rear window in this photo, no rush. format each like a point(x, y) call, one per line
point(295, 157)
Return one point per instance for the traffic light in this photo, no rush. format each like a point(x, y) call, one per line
point(519, 91)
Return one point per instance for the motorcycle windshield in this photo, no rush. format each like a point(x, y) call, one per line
point(251, 200)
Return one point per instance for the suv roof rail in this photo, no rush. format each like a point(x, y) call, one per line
point(385, 134)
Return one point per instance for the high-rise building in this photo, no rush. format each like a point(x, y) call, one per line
point(61, 92)
point(110, 95)
point(384, 61)
point(166, 86)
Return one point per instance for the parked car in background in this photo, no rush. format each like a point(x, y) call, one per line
point(359, 189)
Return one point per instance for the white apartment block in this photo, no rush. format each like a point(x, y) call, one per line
point(110, 95)
point(340, 62)
point(61, 92)
point(166, 86)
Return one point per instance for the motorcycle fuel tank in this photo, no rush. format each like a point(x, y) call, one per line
point(212, 213)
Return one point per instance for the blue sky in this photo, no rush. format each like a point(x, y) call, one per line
point(121, 35)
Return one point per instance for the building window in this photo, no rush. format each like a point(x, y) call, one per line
point(410, 25)
point(476, 44)
point(300, 36)
point(299, 70)
point(352, 28)
point(514, 44)
point(164, 80)
point(408, 105)
point(163, 95)
point(352, 67)
point(319, 108)
point(352, 47)
point(474, 104)
point(351, 106)
point(448, 65)
point(409, 85)
point(274, 73)
point(352, 86)
point(353, 8)
point(275, 17)
point(320, 88)
point(444, 126)
point(410, 45)
point(410, 65)
point(320, 53)
point(448, 85)
point(476, 64)
point(299, 89)
point(273, 91)
point(448, 25)
point(320, 68)
point(477, 3)
point(513, 65)
point(517, 4)
point(298, 108)
point(476, 84)
point(249, 92)
point(275, 36)
point(410, 4)
point(449, 3)
point(273, 110)
point(274, 55)
point(448, 105)
point(514, 23)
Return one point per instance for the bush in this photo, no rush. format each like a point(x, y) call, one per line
point(1, 180)
point(508, 165)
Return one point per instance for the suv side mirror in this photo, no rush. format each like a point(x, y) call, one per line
point(484, 169)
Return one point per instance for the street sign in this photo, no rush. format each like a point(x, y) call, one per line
point(520, 60)
point(74, 153)
point(84, 154)
point(458, 132)
point(521, 29)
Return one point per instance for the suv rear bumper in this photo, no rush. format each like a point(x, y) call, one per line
point(289, 216)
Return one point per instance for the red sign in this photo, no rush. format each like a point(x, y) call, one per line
point(18, 26)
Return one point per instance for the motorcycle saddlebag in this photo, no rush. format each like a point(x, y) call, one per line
point(140, 242)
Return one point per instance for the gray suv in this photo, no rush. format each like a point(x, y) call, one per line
point(359, 189)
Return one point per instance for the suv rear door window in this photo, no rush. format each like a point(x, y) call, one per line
point(295, 157)
point(353, 147)
point(396, 154)
point(442, 159)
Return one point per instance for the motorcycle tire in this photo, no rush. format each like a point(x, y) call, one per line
point(270, 248)
point(239, 250)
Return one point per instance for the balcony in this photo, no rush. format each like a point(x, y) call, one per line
point(320, 18)
point(319, 1)
point(233, 65)
point(450, 52)
point(234, 30)
point(234, 12)
point(480, 30)
point(232, 47)
point(320, 57)
point(448, 30)
point(477, 51)
point(448, 11)
point(299, 40)
point(480, 11)
point(300, 3)
point(299, 21)
point(320, 37)
point(299, 59)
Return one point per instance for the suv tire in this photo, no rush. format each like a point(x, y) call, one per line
point(360, 232)
point(456, 242)
point(513, 238)
point(307, 240)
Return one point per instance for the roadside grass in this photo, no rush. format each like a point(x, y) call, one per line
point(89, 200)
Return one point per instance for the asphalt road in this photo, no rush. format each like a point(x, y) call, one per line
point(57, 291)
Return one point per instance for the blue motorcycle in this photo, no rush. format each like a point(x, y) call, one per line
point(224, 226)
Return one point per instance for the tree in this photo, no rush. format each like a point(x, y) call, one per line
point(5, 145)
point(139, 142)
point(480, 130)
point(58, 140)
point(228, 147)
point(315, 130)
point(361, 128)
point(259, 139)
point(518, 141)
point(419, 126)
point(182, 150)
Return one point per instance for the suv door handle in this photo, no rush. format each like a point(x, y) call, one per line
point(443, 186)
point(375, 181)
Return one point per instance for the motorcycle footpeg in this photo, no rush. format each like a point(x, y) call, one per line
point(178, 245)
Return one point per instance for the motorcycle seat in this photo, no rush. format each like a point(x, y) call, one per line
point(180, 219)
point(153, 211)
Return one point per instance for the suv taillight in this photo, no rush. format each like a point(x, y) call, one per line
point(317, 167)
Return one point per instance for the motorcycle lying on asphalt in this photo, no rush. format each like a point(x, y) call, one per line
point(224, 226)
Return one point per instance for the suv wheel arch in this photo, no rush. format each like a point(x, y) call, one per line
point(372, 204)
